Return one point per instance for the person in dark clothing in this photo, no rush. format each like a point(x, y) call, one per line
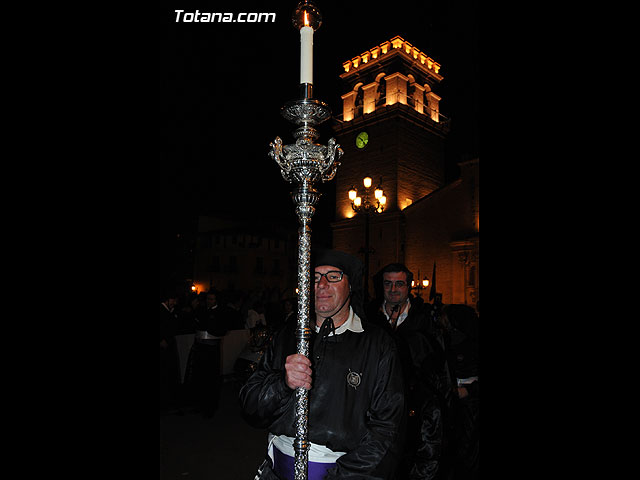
point(204, 370)
point(463, 332)
point(169, 364)
point(356, 394)
point(235, 320)
point(409, 321)
point(187, 315)
point(286, 314)
point(289, 310)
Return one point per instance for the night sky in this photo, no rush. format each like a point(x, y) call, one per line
point(225, 83)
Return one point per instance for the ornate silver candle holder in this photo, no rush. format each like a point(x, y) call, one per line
point(305, 163)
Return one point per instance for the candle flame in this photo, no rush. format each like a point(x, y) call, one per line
point(306, 19)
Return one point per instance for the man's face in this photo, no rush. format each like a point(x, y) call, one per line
point(396, 289)
point(211, 300)
point(172, 302)
point(329, 296)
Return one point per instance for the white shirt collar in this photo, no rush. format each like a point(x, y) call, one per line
point(352, 323)
point(402, 316)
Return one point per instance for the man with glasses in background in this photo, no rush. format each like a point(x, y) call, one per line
point(424, 368)
point(356, 391)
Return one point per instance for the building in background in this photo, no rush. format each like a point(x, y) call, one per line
point(392, 131)
point(443, 228)
point(246, 255)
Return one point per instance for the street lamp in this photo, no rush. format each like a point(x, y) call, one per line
point(364, 204)
point(420, 284)
point(367, 206)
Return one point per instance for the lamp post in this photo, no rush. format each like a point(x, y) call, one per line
point(304, 163)
point(368, 207)
point(420, 284)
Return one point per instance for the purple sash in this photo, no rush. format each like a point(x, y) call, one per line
point(284, 467)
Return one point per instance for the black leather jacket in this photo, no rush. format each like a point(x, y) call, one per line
point(428, 384)
point(366, 421)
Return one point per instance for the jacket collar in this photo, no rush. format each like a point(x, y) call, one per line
point(353, 323)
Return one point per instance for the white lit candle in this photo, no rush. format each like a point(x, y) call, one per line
point(306, 52)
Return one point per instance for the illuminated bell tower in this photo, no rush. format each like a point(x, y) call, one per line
point(390, 128)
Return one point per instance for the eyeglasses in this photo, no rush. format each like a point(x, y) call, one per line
point(332, 277)
point(398, 284)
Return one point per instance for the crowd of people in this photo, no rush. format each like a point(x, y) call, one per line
point(393, 383)
point(209, 316)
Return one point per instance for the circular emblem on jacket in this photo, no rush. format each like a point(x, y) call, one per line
point(353, 379)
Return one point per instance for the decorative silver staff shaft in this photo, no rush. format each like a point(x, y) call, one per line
point(305, 163)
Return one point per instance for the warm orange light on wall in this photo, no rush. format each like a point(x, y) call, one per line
point(406, 203)
point(198, 287)
point(396, 83)
point(396, 42)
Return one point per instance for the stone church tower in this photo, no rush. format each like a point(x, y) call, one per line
point(390, 130)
